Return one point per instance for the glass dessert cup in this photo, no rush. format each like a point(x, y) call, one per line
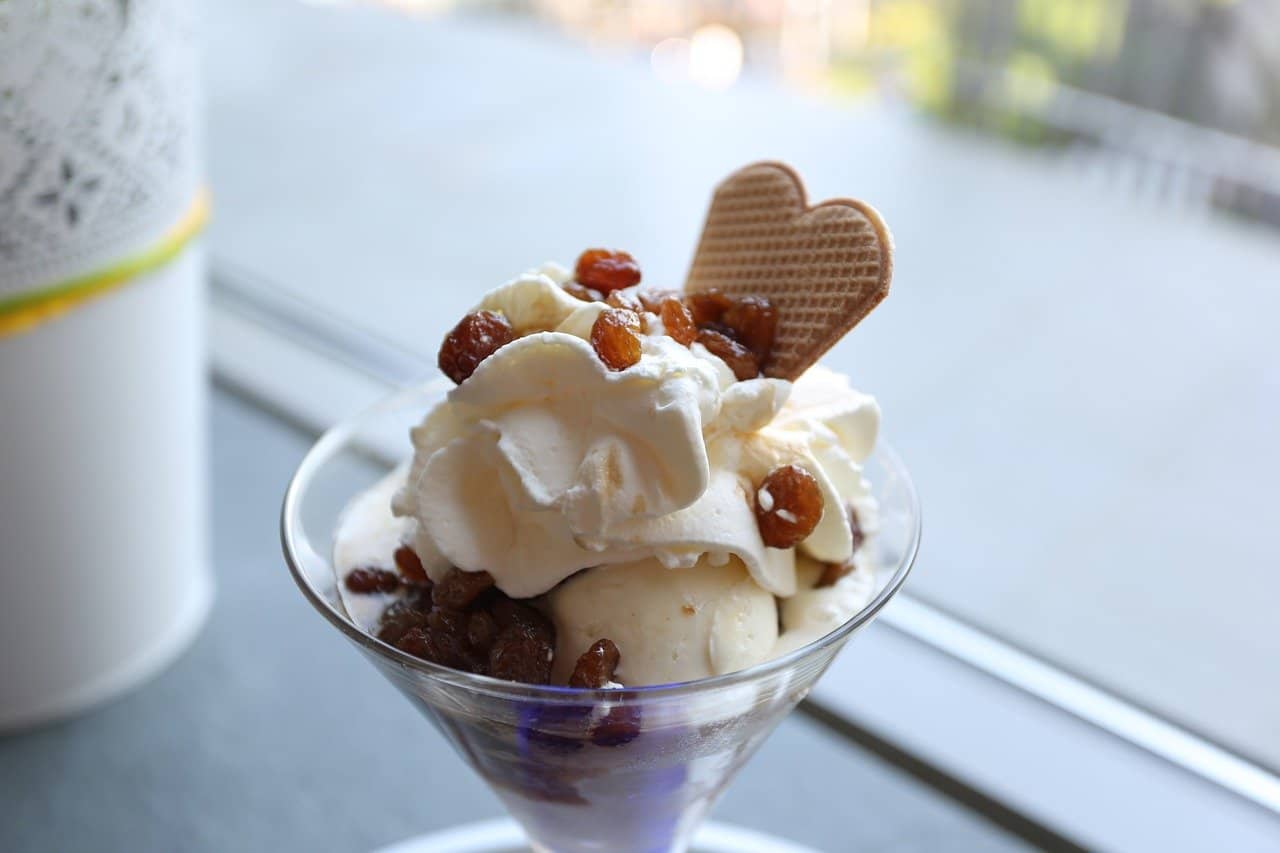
point(633, 769)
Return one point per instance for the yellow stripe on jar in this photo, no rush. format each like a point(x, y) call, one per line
point(25, 311)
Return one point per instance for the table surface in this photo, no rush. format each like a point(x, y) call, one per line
point(273, 734)
point(1082, 380)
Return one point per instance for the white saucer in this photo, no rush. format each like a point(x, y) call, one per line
point(503, 835)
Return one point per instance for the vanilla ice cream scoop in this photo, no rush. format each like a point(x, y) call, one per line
point(671, 624)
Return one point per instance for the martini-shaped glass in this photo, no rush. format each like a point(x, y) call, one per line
point(581, 770)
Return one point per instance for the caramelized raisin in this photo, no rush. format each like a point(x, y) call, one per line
point(410, 566)
point(621, 725)
point(419, 598)
point(586, 294)
point(753, 322)
point(414, 642)
point(855, 527)
point(629, 301)
point(476, 337)
point(481, 629)
point(740, 359)
point(458, 589)
point(832, 572)
point(595, 668)
point(435, 646)
point(652, 299)
point(448, 622)
point(788, 506)
point(368, 581)
point(443, 640)
point(466, 623)
point(512, 614)
point(606, 270)
point(518, 656)
point(624, 299)
point(707, 306)
point(397, 619)
point(677, 321)
point(615, 335)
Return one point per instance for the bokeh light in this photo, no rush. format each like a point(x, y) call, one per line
point(670, 60)
point(715, 56)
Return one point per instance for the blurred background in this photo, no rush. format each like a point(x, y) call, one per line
point(1078, 359)
point(1060, 74)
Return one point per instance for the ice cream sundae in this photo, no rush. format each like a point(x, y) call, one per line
point(630, 485)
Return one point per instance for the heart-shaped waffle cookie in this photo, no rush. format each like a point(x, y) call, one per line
point(823, 267)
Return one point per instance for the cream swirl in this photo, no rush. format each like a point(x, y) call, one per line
point(545, 462)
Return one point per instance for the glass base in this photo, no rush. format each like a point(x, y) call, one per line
point(504, 836)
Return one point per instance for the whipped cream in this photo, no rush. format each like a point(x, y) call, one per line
point(545, 462)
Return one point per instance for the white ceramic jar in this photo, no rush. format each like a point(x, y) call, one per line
point(104, 573)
